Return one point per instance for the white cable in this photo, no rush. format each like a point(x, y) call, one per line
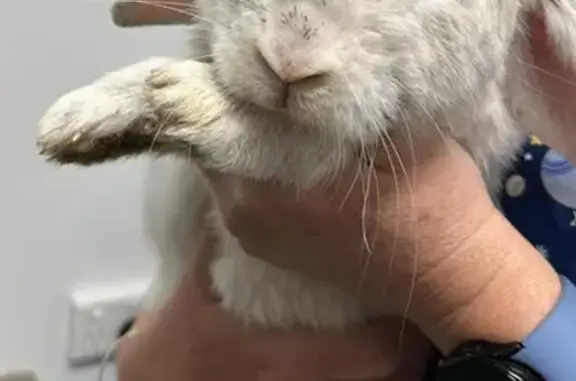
point(110, 352)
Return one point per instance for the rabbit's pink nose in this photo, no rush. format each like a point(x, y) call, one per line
point(292, 67)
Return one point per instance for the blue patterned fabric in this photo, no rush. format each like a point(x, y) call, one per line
point(539, 199)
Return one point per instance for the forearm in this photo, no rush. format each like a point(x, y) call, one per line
point(502, 289)
point(524, 300)
point(476, 276)
point(496, 287)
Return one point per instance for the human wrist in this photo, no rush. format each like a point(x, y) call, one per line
point(502, 289)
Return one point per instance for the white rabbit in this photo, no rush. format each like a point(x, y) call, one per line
point(290, 91)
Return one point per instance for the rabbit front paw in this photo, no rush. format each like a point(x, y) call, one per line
point(93, 123)
point(160, 105)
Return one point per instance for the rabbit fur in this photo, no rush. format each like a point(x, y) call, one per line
point(360, 69)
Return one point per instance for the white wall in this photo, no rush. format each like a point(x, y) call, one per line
point(61, 227)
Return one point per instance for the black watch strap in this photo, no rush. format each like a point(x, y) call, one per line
point(481, 361)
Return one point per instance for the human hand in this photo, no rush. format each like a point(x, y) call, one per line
point(440, 252)
point(193, 338)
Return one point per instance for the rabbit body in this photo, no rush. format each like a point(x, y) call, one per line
point(303, 85)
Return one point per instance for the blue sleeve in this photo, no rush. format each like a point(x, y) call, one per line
point(551, 348)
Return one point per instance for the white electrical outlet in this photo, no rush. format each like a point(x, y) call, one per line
point(18, 375)
point(97, 315)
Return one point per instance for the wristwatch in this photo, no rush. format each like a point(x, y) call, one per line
point(482, 361)
point(547, 354)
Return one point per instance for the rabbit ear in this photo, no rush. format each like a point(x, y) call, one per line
point(551, 59)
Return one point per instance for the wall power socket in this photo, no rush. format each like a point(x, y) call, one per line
point(97, 315)
point(18, 375)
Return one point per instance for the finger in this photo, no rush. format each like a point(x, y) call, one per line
point(126, 13)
